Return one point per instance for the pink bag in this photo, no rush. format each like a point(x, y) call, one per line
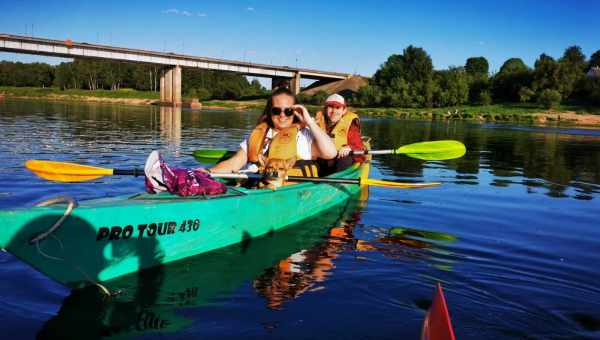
point(182, 182)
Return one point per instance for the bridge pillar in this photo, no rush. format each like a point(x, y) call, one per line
point(176, 85)
point(170, 86)
point(163, 95)
point(295, 83)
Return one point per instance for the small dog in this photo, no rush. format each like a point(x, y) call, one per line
point(272, 166)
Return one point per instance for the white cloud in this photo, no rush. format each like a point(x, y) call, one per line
point(250, 9)
point(175, 11)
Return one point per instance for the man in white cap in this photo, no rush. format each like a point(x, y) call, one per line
point(344, 127)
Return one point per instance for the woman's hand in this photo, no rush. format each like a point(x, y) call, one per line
point(303, 116)
point(344, 151)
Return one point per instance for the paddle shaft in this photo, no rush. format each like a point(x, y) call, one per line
point(289, 178)
point(128, 172)
point(72, 172)
point(431, 150)
point(140, 172)
point(374, 152)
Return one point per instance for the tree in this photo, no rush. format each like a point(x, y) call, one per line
point(44, 74)
point(525, 94)
point(546, 74)
point(369, 95)
point(594, 60)
point(573, 56)
point(452, 87)
point(549, 98)
point(406, 79)
point(571, 73)
point(477, 67)
point(513, 65)
point(484, 98)
point(513, 75)
point(203, 94)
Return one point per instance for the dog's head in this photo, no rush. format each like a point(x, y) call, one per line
point(272, 166)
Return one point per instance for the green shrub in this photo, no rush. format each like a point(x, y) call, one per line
point(485, 98)
point(549, 98)
point(525, 94)
point(203, 94)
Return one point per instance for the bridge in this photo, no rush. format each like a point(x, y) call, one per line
point(172, 63)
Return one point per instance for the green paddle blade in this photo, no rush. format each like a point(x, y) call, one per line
point(434, 151)
point(211, 156)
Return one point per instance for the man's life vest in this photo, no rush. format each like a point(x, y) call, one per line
point(282, 148)
point(339, 133)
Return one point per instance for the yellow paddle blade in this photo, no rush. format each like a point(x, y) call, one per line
point(65, 172)
point(400, 185)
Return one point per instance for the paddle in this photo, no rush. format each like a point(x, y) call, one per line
point(212, 155)
point(439, 150)
point(360, 181)
point(437, 324)
point(72, 172)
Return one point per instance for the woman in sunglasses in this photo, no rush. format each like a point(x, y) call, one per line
point(344, 127)
point(285, 132)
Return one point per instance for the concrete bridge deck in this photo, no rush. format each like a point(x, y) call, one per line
point(172, 62)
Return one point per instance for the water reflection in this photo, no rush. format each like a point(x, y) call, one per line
point(170, 127)
point(308, 269)
point(152, 300)
point(555, 159)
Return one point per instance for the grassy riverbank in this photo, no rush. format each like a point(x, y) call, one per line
point(525, 113)
point(123, 96)
point(511, 112)
point(37, 92)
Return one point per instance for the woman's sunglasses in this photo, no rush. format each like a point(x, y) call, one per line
point(276, 111)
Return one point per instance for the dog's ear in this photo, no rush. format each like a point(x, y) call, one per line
point(290, 163)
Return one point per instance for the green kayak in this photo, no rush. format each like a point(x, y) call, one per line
point(103, 239)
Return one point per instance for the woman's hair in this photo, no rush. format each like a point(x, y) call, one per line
point(326, 116)
point(265, 117)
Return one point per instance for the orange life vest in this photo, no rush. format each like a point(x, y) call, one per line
point(283, 147)
point(339, 133)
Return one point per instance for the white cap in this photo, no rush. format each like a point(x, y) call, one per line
point(335, 99)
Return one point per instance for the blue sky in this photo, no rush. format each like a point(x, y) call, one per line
point(344, 36)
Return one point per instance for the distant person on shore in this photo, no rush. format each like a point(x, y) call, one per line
point(343, 127)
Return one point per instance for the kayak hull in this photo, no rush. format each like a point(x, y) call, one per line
point(107, 238)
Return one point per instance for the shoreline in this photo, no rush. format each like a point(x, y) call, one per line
point(235, 105)
point(548, 117)
point(543, 117)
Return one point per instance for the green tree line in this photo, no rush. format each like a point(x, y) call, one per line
point(108, 75)
point(409, 80)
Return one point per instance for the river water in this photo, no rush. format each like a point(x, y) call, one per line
point(513, 234)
